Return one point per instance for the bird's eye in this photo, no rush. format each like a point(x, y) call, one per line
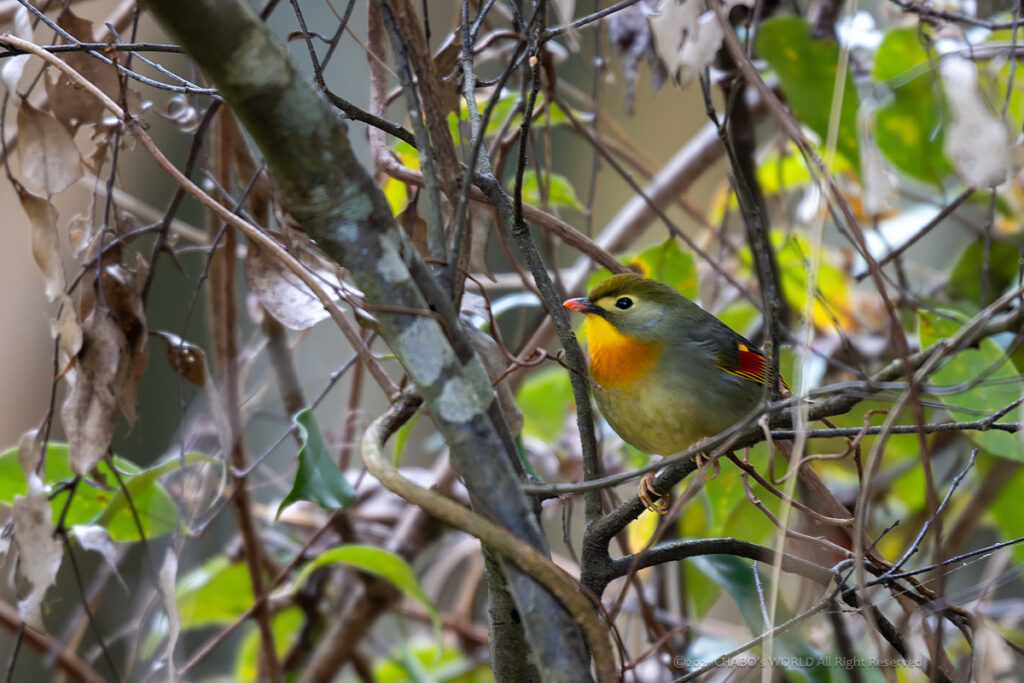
point(623, 303)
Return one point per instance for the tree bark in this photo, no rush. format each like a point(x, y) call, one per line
point(323, 187)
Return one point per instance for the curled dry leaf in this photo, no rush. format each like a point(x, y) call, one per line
point(67, 328)
point(39, 551)
point(281, 292)
point(43, 217)
point(50, 161)
point(630, 33)
point(15, 66)
point(168, 574)
point(977, 141)
point(97, 539)
point(878, 183)
point(30, 451)
point(89, 409)
point(80, 231)
point(109, 365)
point(686, 39)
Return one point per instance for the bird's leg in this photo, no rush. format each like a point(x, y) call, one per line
point(700, 458)
point(658, 502)
point(653, 500)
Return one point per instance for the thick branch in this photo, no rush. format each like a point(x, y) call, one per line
point(323, 186)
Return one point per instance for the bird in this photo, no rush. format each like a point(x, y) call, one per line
point(665, 373)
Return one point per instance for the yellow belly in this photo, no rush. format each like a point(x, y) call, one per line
point(653, 419)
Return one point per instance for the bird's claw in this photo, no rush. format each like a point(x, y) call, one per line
point(653, 500)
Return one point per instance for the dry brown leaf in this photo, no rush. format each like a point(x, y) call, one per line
point(43, 217)
point(109, 366)
point(72, 105)
point(446, 59)
point(50, 161)
point(122, 293)
point(414, 225)
point(39, 551)
point(281, 292)
point(91, 404)
point(187, 359)
point(67, 328)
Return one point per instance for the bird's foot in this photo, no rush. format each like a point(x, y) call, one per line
point(701, 457)
point(653, 500)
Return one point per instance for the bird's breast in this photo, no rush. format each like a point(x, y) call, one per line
point(617, 360)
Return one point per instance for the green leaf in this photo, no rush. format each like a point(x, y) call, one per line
point(995, 77)
point(401, 436)
point(740, 315)
point(791, 649)
point(782, 170)
point(214, 593)
point(544, 397)
point(317, 478)
point(965, 278)
point(991, 379)
point(807, 70)
point(832, 304)
point(1005, 511)
point(908, 127)
point(396, 191)
point(99, 499)
point(444, 663)
point(664, 262)
point(284, 627)
point(558, 189)
point(374, 560)
point(554, 115)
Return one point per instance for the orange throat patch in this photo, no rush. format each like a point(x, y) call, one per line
point(617, 360)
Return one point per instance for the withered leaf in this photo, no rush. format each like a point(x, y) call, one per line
point(43, 217)
point(14, 66)
point(67, 328)
point(281, 292)
point(168, 576)
point(89, 409)
point(414, 225)
point(630, 33)
point(72, 105)
point(187, 359)
point(39, 551)
point(50, 161)
point(109, 366)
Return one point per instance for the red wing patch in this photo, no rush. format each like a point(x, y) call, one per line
point(753, 366)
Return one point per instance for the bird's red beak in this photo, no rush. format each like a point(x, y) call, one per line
point(582, 304)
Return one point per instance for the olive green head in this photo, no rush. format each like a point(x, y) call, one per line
point(635, 306)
